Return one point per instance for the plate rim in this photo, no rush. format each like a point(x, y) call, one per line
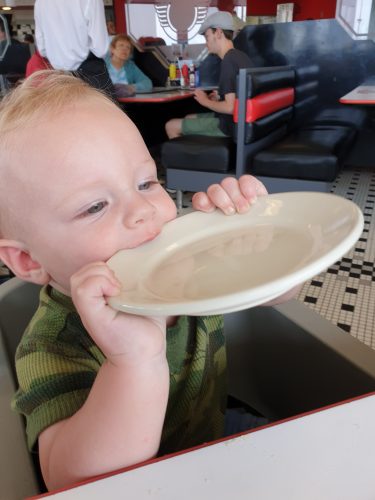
point(195, 307)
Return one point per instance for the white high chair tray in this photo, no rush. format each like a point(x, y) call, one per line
point(205, 264)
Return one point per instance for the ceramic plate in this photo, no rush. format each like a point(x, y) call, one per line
point(212, 263)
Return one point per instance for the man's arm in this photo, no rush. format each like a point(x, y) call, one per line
point(226, 106)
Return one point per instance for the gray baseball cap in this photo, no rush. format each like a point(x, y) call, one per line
point(219, 19)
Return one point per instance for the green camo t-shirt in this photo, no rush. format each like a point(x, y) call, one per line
point(57, 362)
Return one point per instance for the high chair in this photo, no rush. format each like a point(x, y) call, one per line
point(19, 475)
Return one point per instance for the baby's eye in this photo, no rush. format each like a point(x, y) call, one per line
point(146, 185)
point(96, 207)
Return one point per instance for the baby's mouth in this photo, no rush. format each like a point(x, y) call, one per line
point(146, 239)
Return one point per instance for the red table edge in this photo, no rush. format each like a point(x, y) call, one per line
point(204, 445)
point(139, 99)
point(356, 101)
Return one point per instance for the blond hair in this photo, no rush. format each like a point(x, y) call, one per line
point(42, 96)
point(44, 92)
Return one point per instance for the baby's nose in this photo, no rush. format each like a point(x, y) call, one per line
point(138, 212)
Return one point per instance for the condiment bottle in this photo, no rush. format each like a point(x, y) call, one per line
point(192, 76)
point(185, 75)
point(172, 72)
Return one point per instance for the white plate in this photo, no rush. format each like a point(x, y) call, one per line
point(212, 263)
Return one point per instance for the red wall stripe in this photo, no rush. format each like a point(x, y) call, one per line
point(119, 10)
point(306, 9)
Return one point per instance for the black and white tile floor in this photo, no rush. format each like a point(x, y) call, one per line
point(345, 293)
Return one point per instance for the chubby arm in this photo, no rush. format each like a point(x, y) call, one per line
point(121, 421)
point(236, 196)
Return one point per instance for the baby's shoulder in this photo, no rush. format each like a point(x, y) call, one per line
point(55, 327)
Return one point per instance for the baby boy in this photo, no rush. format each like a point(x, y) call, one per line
point(99, 389)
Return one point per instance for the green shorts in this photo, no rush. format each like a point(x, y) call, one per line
point(203, 124)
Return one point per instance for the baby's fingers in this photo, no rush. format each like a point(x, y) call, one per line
point(251, 187)
point(231, 195)
point(216, 197)
point(93, 282)
point(225, 196)
point(228, 196)
point(90, 288)
point(201, 201)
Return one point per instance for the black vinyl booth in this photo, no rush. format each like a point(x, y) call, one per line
point(341, 63)
point(321, 132)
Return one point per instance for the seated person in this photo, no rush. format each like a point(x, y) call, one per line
point(122, 69)
point(16, 55)
point(100, 389)
point(218, 31)
point(74, 38)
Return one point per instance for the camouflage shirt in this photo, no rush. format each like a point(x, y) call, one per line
point(57, 362)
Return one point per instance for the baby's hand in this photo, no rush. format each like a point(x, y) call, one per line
point(123, 338)
point(231, 195)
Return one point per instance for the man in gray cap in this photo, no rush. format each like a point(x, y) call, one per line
point(218, 31)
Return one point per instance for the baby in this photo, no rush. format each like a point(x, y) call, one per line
point(99, 389)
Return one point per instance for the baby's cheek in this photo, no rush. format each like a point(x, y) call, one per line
point(171, 210)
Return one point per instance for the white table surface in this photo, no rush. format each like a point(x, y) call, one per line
point(363, 94)
point(326, 455)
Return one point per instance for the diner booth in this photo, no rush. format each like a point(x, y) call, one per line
point(320, 136)
point(326, 62)
point(286, 360)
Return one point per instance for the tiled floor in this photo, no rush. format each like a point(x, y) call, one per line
point(345, 294)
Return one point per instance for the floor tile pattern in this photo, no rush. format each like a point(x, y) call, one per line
point(345, 294)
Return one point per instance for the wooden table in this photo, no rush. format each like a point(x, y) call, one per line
point(327, 455)
point(363, 94)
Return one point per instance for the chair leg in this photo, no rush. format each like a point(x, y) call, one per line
point(179, 195)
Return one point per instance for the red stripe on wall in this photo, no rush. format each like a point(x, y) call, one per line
point(119, 11)
point(307, 9)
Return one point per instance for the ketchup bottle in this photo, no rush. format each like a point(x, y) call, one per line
point(185, 75)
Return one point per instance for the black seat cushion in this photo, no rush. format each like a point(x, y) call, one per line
point(197, 152)
point(295, 163)
point(346, 115)
point(311, 153)
point(328, 138)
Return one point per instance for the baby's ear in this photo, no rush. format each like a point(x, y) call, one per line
point(14, 256)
